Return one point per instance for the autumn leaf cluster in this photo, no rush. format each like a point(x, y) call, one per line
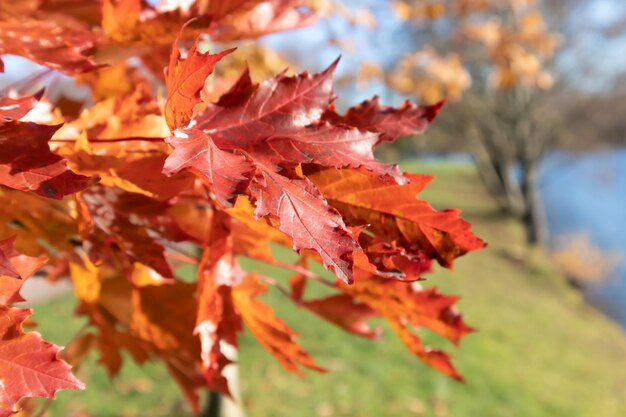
point(154, 170)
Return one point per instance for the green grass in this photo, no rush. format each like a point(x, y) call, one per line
point(540, 350)
point(137, 391)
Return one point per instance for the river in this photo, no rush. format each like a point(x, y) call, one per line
point(586, 193)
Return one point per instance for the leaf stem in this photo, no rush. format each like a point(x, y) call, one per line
point(96, 140)
point(182, 258)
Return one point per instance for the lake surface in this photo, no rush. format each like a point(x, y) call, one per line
point(586, 193)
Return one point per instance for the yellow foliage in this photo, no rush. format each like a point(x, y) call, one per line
point(582, 261)
point(430, 76)
point(369, 71)
point(513, 33)
point(429, 10)
point(359, 17)
point(86, 280)
point(518, 50)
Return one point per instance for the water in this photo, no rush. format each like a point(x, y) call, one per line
point(586, 193)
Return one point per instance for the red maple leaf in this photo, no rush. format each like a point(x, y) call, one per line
point(184, 80)
point(26, 162)
point(29, 365)
point(49, 43)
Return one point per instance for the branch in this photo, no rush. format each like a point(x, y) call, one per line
point(96, 140)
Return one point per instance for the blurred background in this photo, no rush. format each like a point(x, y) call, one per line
point(535, 103)
point(531, 145)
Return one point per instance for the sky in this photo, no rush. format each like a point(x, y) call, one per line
point(607, 57)
point(590, 48)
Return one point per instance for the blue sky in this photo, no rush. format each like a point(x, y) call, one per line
point(606, 57)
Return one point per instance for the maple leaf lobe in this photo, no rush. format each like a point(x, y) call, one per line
point(184, 80)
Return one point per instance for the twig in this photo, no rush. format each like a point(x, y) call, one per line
point(182, 258)
point(96, 140)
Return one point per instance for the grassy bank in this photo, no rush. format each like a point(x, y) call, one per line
point(540, 350)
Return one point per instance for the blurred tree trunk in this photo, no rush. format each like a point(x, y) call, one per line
point(498, 177)
point(533, 216)
point(213, 405)
point(220, 406)
point(509, 133)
